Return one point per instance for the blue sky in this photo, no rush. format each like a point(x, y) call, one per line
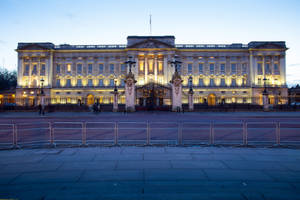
point(111, 21)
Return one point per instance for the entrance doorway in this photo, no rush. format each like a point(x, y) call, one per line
point(211, 100)
point(90, 99)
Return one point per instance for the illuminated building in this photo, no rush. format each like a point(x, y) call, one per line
point(230, 73)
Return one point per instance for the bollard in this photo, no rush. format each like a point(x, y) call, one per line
point(116, 133)
point(148, 133)
point(278, 133)
point(211, 133)
point(245, 133)
point(179, 134)
point(83, 129)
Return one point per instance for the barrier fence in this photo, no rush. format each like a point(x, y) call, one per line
point(18, 135)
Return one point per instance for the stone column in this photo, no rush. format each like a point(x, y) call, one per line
point(130, 92)
point(20, 70)
point(155, 69)
point(146, 69)
point(115, 103)
point(191, 100)
point(282, 69)
point(176, 83)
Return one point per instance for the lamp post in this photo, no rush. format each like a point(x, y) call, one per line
point(42, 94)
point(265, 96)
point(191, 93)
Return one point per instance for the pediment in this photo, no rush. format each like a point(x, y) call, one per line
point(151, 43)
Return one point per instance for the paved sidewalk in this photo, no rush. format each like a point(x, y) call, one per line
point(150, 173)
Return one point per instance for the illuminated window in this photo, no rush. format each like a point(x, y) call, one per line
point(68, 68)
point(141, 66)
point(190, 68)
point(160, 67)
point(150, 67)
point(90, 68)
point(259, 69)
point(43, 70)
point(233, 68)
point(79, 68)
point(211, 68)
point(101, 68)
point(259, 81)
point(200, 68)
point(111, 68)
point(90, 82)
point(79, 82)
point(100, 82)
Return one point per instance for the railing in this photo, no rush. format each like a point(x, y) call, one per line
point(242, 133)
point(212, 46)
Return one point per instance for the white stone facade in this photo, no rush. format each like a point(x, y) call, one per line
point(234, 73)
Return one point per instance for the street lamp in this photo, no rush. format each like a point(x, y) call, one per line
point(42, 104)
point(191, 83)
point(42, 86)
point(265, 86)
point(130, 63)
point(175, 63)
point(116, 89)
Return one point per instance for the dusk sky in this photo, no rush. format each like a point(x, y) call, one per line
point(110, 22)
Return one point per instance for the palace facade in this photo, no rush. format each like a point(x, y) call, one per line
point(221, 73)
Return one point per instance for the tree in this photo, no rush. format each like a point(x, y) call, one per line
point(8, 79)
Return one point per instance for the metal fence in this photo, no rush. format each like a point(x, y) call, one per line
point(18, 135)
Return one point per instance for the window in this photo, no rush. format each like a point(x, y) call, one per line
point(101, 68)
point(233, 68)
point(268, 69)
point(79, 82)
point(43, 70)
point(69, 68)
point(259, 81)
point(79, 68)
point(141, 68)
point(90, 82)
point(179, 69)
point(57, 68)
point(211, 68)
point(123, 68)
point(190, 68)
point(57, 82)
point(122, 82)
point(259, 69)
point(111, 82)
point(223, 82)
point(233, 82)
point(211, 82)
point(26, 71)
point(34, 70)
point(100, 82)
point(90, 68)
point(244, 68)
point(276, 69)
point(111, 68)
point(68, 84)
point(200, 68)
point(201, 82)
point(160, 67)
point(222, 68)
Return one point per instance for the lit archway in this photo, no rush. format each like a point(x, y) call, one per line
point(211, 100)
point(90, 99)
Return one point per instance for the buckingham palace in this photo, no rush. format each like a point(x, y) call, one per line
point(212, 73)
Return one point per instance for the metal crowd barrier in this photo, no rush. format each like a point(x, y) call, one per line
point(18, 135)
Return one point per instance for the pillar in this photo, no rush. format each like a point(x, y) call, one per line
point(191, 100)
point(155, 69)
point(176, 83)
point(130, 92)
